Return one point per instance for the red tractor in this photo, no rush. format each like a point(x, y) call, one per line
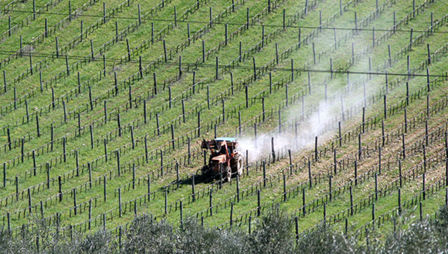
point(224, 160)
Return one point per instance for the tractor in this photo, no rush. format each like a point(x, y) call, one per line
point(224, 160)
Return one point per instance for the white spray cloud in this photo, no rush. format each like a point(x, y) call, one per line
point(321, 120)
point(323, 116)
point(319, 123)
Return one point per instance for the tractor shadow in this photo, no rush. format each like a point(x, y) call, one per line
point(198, 179)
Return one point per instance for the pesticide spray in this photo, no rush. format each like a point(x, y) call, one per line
point(319, 123)
point(320, 120)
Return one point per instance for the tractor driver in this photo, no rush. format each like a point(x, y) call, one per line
point(223, 148)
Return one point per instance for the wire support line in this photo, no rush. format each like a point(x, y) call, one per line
point(241, 24)
point(194, 66)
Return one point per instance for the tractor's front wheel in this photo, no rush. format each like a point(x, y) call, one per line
point(239, 165)
point(229, 173)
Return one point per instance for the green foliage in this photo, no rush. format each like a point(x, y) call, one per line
point(442, 218)
point(325, 239)
point(420, 237)
point(148, 236)
point(426, 236)
point(145, 235)
point(99, 242)
point(274, 235)
point(193, 238)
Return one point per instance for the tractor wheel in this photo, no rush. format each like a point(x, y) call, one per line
point(229, 174)
point(205, 170)
point(239, 165)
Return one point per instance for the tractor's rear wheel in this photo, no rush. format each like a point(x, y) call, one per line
point(205, 170)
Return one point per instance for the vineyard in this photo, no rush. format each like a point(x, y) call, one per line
point(340, 108)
